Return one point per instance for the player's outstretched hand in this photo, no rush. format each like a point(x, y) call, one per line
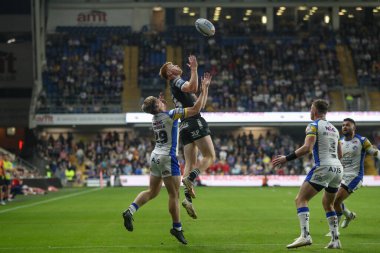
point(206, 80)
point(193, 64)
point(279, 160)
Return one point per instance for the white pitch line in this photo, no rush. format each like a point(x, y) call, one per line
point(164, 246)
point(48, 200)
point(143, 246)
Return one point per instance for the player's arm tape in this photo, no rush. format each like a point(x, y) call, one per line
point(291, 156)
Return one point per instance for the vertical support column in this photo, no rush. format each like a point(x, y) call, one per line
point(43, 15)
point(335, 18)
point(296, 15)
point(270, 22)
point(203, 12)
point(37, 43)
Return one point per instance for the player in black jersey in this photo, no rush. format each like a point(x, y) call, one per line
point(194, 131)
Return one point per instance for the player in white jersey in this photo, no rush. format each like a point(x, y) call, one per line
point(164, 163)
point(355, 148)
point(323, 139)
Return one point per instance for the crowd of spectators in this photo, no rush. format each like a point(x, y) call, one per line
point(110, 153)
point(246, 155)
point(268, 72)
point(128, 153)
point(116, 153)
point(84, 73)
point(254, 70)
point(363, 41)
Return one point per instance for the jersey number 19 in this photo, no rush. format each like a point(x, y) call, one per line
point(161, 137)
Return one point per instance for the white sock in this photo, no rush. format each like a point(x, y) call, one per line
point(332, 219)
point(339, 215)
point(303, 216)
point(346, 212)
point(133, 208)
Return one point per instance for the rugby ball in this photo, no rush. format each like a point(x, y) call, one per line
point(205, 27)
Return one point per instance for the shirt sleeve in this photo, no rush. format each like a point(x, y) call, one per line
point(178, 113)
point(367, 146)
point(311, 129)
point(179, 83)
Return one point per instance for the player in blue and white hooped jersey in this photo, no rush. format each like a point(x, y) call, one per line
point(323, 139)
point(354, 148)
point(164, 164)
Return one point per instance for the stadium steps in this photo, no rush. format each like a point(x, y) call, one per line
point(374, 100)
point(131, 91)
point(338, 100)
point(346, 66)
point(369, 166)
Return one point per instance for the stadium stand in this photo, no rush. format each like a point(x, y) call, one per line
point(278, 71)
point(84, 70)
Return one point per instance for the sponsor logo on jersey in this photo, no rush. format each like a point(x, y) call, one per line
point(329, 128)
point(335, 170)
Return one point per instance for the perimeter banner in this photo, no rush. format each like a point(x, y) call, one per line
point(245, 181)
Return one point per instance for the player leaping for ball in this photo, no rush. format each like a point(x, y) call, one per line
point(164, 163)
point(323, 138)
point(194, 131)
point(354, 149)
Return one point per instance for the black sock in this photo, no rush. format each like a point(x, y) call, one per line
point(194, 174)
point(187, 195)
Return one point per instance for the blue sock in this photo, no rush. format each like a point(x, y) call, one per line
point(177, 226)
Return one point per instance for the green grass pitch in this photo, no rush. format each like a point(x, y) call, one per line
point(230, 220)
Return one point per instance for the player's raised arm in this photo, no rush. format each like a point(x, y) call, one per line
point(192, 85)
point(201, 100)
point(207, 76)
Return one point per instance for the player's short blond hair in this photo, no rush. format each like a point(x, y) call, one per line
point(164, 70)
point(150, 105)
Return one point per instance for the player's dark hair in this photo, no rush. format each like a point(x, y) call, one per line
point(321, 105)
point(350, 120)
